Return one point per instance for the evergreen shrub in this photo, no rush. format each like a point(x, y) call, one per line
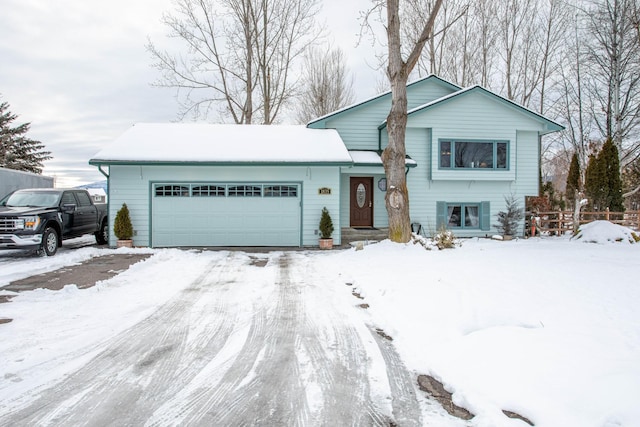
point(122, 225)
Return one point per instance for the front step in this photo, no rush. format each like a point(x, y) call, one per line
point(350, 235)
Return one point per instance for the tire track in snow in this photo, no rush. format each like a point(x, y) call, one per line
point(235, 348)
point(406, 409)
point(273, 395)
point(141, 366)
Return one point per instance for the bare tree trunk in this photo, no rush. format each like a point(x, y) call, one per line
point(576, 213)
point(393, 157)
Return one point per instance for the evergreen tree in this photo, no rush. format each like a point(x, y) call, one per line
point(326, 224)
point(593, 183)
point(122, 227)
point(603, 185)
point(630, 179)
point(16, 150)
point(612, 181)
point(509, 221)
point(573, 179)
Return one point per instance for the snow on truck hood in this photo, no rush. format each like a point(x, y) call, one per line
point(224, 143)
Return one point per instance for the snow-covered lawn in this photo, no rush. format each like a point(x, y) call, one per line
point(546, 327)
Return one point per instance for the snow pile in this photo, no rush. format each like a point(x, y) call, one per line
point(606, 232)
point(547, 328)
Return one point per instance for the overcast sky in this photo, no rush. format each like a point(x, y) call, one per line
point(79, 72)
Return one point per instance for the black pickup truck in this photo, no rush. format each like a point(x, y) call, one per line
point(41, 218)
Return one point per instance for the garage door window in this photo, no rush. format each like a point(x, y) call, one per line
point(245, 191)
point(280, 191)
point(226, 190)
point(172, 191)
point(208, 191)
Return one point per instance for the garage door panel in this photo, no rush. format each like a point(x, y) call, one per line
point(227, 221)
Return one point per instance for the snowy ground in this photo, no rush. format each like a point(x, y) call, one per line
point(546, 327)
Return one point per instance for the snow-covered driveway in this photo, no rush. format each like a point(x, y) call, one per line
point(211, 338)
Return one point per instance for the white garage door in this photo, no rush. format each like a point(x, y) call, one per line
point(236, 214)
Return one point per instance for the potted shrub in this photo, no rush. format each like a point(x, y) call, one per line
point(122, 227)
point(508, 221)
point(326, 229)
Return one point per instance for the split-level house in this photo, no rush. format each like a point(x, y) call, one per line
point(252, 185)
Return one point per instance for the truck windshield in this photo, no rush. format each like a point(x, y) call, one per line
point(32, 199)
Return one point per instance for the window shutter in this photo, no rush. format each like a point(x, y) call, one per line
point(485, 222)
point(441, 214)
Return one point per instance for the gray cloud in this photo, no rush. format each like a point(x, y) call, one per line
point(79, 72)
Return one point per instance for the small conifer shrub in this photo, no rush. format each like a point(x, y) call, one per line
point(326, 225)
point(122, 225)
point(508, 221)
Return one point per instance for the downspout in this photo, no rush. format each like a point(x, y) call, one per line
point(103, 172)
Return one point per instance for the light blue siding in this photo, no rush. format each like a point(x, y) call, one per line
point(133, 185)
point(358, 127)
point(474, 116)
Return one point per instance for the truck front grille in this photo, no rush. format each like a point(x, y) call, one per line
point(8, 224)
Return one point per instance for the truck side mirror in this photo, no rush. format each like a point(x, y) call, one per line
point(69, 208)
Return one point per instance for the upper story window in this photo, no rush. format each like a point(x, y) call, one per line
point(460, 154)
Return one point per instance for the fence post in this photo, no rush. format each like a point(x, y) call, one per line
point(560, 223)
point(606, 214)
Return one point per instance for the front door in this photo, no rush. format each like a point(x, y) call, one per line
point(361, 205)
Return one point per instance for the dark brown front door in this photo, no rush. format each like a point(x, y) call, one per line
point(361, 202)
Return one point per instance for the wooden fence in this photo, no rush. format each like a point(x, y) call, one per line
point(560, 222)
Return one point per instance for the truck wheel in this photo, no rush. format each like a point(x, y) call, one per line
point(50, 241)
point(102, 235)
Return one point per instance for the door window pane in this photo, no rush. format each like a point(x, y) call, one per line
point(361, 195)
point(83, 198)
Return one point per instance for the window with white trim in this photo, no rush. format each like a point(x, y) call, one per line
point(461, 154)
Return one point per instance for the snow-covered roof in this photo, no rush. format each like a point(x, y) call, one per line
point(372, 158)
point(97, 191)
point(224, 144)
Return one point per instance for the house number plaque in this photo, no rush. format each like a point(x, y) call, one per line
point(324, 191)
